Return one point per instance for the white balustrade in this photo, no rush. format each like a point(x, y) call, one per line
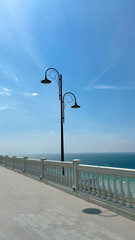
point(104, 183)
point(111, 187)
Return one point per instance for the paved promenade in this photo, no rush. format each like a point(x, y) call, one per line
point(32, 210)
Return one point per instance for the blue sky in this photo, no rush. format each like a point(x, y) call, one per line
point(92, 44)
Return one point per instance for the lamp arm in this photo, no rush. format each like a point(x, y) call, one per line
point(51, 69)
point(63, 105)
point(59, 81)
point(69, 93)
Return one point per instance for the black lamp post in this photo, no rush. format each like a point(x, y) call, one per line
point(49, 73)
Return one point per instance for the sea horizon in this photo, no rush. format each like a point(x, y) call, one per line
point(108, 159)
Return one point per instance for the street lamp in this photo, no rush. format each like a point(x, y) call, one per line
point(50, 72)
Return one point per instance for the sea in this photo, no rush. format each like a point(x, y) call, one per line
point(118, 160)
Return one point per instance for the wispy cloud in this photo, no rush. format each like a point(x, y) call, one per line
point(107, 87)
point(99, 76)
point(3, 108)
point(9, 74)
point(5, 91)
point(31, 94)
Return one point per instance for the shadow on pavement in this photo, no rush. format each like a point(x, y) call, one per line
point(91, 211)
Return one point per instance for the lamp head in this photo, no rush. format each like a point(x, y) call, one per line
point(46, 81)
point(75, 105)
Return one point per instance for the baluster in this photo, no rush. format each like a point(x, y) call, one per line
point(57, 176)
point(122, 193)
point(89, 183)
point(67, 176)
point(6, 160)
point(59, 179)
point(52, 167)
point(48, 172)
point(61, 175)
point(70, 180)
point(80, 181)
point(109, 190)
point(52, 172)
point(13, 162)
point(103, 187)
point(115, 191)
point(84, 182)
point(98, 194)
point(93, 185)
point(129, 194)
point(48, 169)
point(64, 175)
point(56, 173)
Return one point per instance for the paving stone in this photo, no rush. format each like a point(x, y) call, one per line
point(32, 210)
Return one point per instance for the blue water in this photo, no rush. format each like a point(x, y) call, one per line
point(119, 160)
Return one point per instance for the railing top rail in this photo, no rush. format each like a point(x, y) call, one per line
point(109, 170)
point(9, 157)
point(58, 163)
point(16, 159)
point(33, 160)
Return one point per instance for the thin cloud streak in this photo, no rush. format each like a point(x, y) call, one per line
point(107, 87)
point(5, 91)
point(99, 76)
point(3, 108)
point(31, 94)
